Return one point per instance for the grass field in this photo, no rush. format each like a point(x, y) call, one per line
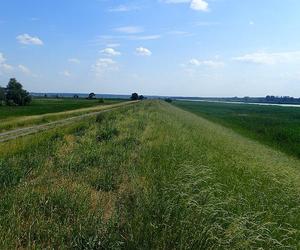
point(272, 125)
point(45, 106)
point(148, 176)
point(47, 110)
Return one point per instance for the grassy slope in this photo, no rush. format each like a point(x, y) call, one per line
point(272, 125)
point(27, 120)
point(149, 176)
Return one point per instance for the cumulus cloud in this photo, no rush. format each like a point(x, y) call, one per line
point(74, 60)
point(130, 29)
point(110, 52)
point(198, 5)
point(143, 51)
point(4, 67)
point(29, 40)
point(206, 63)
point(269, 58)
point(104, 65)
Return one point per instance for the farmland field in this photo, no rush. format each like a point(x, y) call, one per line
point(276, 126)
point(44, 106)
point(48, 110)
point(147, 176)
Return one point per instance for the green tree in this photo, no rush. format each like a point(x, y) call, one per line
point(92, 96)
point(2, 96)
point(15, 94)
point(134, 97)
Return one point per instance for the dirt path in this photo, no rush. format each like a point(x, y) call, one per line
point(16, 133)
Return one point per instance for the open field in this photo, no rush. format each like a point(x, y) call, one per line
point(276, 126)
point(48, 111)
point(147, 176)
point(63, 121)
point(45, 106)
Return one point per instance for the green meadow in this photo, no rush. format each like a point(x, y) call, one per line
point(47, 110)
point(45, 106)
point(147, 176)
point(275, 126)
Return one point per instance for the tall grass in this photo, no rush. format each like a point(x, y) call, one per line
point(271, 125)
point(149, 176)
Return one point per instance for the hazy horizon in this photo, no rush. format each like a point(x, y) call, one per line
point(205, 48)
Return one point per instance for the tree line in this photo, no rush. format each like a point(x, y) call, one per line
point(14, 94)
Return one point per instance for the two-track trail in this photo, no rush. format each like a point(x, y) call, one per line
point(20, 132)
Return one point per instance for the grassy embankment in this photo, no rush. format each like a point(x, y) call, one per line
point(275, 126)
point(47, 110)
point(147, 176)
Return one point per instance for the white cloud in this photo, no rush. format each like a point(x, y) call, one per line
point(199, 5)
point(143, 51)
point(110, 52)
point(123, 8)
point(4, 67)
point(206, 63)
point(67, 73)
point(176, 1)
point(74, 60)
point(2, 58)
point(269, 58)
point(29, 40)
point(24, 69)
point(130, 29)
point(104, 65)
point(251, 22)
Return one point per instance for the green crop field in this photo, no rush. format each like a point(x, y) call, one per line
point(276, 126)
point(48, 110)
point(147, 176)
point(45, 106)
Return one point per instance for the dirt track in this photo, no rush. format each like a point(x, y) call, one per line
point(16, 133)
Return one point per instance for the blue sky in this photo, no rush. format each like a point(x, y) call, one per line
point(161, 47)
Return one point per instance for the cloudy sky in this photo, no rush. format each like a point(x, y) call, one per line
point(161, 47)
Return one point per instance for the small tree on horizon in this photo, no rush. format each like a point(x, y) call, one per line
point(134, 97)
point(15, 94)
point(92, 95)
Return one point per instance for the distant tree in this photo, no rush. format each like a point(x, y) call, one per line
point(45, 96)
point(76, 96)
point(169, 100)
point(141, 97)
point(2, 96)
point(15, 94)
point(134, 97)
point(91, 96)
